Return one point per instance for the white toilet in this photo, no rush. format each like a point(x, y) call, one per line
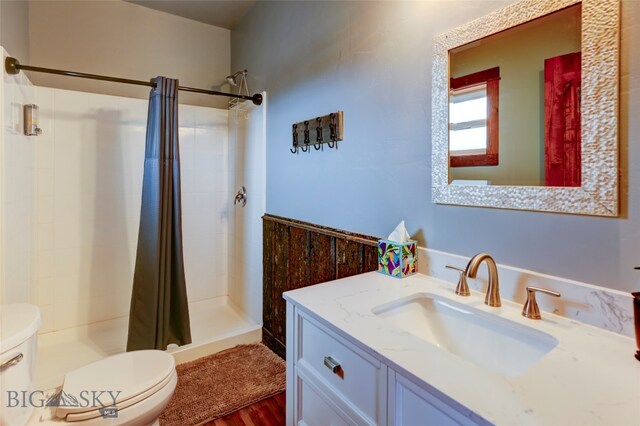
point(131, 388)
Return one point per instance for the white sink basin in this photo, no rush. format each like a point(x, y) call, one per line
point(489, 341)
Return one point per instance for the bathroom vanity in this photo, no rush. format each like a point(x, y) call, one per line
point(371, 349)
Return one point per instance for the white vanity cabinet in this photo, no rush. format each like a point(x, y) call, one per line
point(329, 380)
point(410, 404)
point(332, 381)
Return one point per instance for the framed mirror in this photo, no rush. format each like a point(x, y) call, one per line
point(525, 109)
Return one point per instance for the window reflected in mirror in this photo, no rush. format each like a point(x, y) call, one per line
point(468, 116)
point(473, 119)
point(514, 105)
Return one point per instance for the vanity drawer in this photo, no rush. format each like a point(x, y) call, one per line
point(356, 379)
point(410, 404)
point(315, 408)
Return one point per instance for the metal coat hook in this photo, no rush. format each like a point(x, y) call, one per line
point(307, 139)
point(332, 129)
point(319, 139)
point(294, 150)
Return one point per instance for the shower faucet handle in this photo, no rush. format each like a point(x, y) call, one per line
point(241, 197)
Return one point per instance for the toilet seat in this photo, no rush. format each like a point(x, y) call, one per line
point(170, 381)
point(132, 376)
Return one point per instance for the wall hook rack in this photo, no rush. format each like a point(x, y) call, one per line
point(326, 129)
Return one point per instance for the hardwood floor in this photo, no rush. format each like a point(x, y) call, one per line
point(268, 412)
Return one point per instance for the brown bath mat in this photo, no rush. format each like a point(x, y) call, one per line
point(219, 384)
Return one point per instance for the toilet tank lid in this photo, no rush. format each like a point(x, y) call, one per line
point(18, 322)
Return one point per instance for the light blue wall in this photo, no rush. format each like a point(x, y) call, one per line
point(373, 61)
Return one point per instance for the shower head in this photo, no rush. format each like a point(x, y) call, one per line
point(232, 79)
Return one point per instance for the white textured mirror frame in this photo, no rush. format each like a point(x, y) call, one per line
point(598, 194)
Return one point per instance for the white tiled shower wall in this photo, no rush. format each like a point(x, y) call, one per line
point(75, 205)
point(247, 152)
point(17, 173)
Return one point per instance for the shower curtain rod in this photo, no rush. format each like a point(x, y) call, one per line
point(13, 66)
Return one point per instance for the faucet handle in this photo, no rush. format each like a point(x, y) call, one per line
point(462, 288)
point(530, 308)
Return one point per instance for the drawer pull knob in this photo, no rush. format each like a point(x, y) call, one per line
point(332, 364)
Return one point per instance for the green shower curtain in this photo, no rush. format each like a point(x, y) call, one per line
point(159, 313)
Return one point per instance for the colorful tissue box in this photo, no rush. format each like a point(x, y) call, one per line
point(397, 259)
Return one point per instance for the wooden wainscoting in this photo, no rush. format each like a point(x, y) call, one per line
point(299, 254)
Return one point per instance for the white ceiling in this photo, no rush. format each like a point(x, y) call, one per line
point(221, 13)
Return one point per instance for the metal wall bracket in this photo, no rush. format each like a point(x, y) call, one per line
point(11, 65)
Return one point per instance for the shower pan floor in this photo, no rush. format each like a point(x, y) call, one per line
point(215, 325)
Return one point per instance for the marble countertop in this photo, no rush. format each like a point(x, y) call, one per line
point(590, 378)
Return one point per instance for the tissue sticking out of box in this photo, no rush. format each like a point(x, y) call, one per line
point(400, 234)
point(398, 255)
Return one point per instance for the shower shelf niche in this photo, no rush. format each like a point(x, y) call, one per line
point(315, 132)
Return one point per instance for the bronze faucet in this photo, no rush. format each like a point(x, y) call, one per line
point(530, 308)
point(492, 297)
point(462, 289)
